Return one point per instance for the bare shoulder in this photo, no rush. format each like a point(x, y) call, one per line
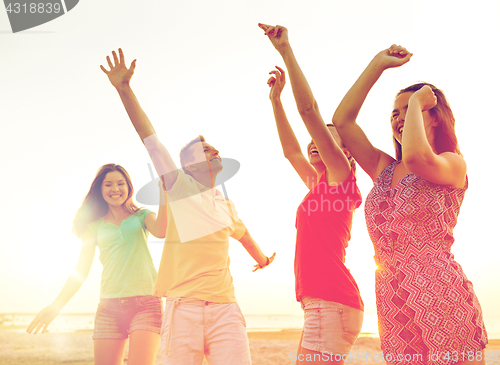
point(457, 168)
point(384, 161)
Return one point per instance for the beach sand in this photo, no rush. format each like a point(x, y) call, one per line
point(267, 348)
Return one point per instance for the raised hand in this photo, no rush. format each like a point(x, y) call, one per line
point(43, 319)
point(425, 97)
point(276, 83)
point(119, 74)
point(394, 56)
point(278, 35)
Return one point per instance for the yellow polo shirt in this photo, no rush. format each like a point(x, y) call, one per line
point(195, 259)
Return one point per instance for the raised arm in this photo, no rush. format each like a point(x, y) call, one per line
point(371, 159)
point(446, 168)
point(72, 285)
point(289, 143)
point(119, 76)
point(337, 165)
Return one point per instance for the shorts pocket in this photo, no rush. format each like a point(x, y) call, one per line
point(352, 320)
point(105, 307)
point(149, 301)
point(312, 319)
point(240, 313)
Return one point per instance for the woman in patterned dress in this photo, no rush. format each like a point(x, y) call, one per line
point(427, 310)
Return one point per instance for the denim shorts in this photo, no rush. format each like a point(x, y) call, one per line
point(118, 317)
point(329, 326)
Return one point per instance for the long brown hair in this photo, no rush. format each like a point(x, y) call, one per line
point(445, 139)
point(94, 206)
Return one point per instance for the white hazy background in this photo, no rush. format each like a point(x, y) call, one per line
point(202, 69)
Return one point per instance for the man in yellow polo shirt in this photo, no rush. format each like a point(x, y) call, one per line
point(202, 317)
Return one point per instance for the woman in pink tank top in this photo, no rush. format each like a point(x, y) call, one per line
point(333, 309)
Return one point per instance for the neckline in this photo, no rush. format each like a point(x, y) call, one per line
point(394, 164)
point(118, 226)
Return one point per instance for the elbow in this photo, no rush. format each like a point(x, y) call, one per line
point(289, 155)
point(152, 145)
point(80, 277)
point(338, 122)
point(160, 235)
point(342, 119)
point(308, 108)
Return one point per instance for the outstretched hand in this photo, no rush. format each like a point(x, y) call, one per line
point(425, 97)
point(394, 56)
point(278, 35)
point(43, 319)
point(119, 74)
point(276, 82)
point(269, 260)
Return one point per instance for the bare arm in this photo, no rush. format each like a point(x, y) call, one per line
point(119, 76)
point(157, 224)
point(337, 165)
point(254, 250)
point(371, 159)
point(289, 143)
point(72, 285)
point(446, 168)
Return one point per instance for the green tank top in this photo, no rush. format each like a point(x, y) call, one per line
point(128, 268)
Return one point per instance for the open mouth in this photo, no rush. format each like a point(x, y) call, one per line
point(400, 130)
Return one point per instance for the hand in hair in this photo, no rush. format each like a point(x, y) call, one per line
point(425, 97)
point(119, 74)
point(394, 56)
point(278, 35)
point(276, 82)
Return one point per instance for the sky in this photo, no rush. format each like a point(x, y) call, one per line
point(202, 68)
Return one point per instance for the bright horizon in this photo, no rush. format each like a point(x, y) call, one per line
point(202, 68)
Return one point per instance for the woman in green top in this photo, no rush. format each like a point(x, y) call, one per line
point(108, 218)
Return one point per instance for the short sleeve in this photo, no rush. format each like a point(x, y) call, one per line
point(238, 226)
point(142, 215)
point(239, 229)
point(184, 186)
point(93, 228)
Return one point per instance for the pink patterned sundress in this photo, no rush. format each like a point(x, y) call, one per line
point(427, 310)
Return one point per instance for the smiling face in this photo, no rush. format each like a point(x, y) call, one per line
point(398, 118)
point(114, 188)
point(205, 157)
